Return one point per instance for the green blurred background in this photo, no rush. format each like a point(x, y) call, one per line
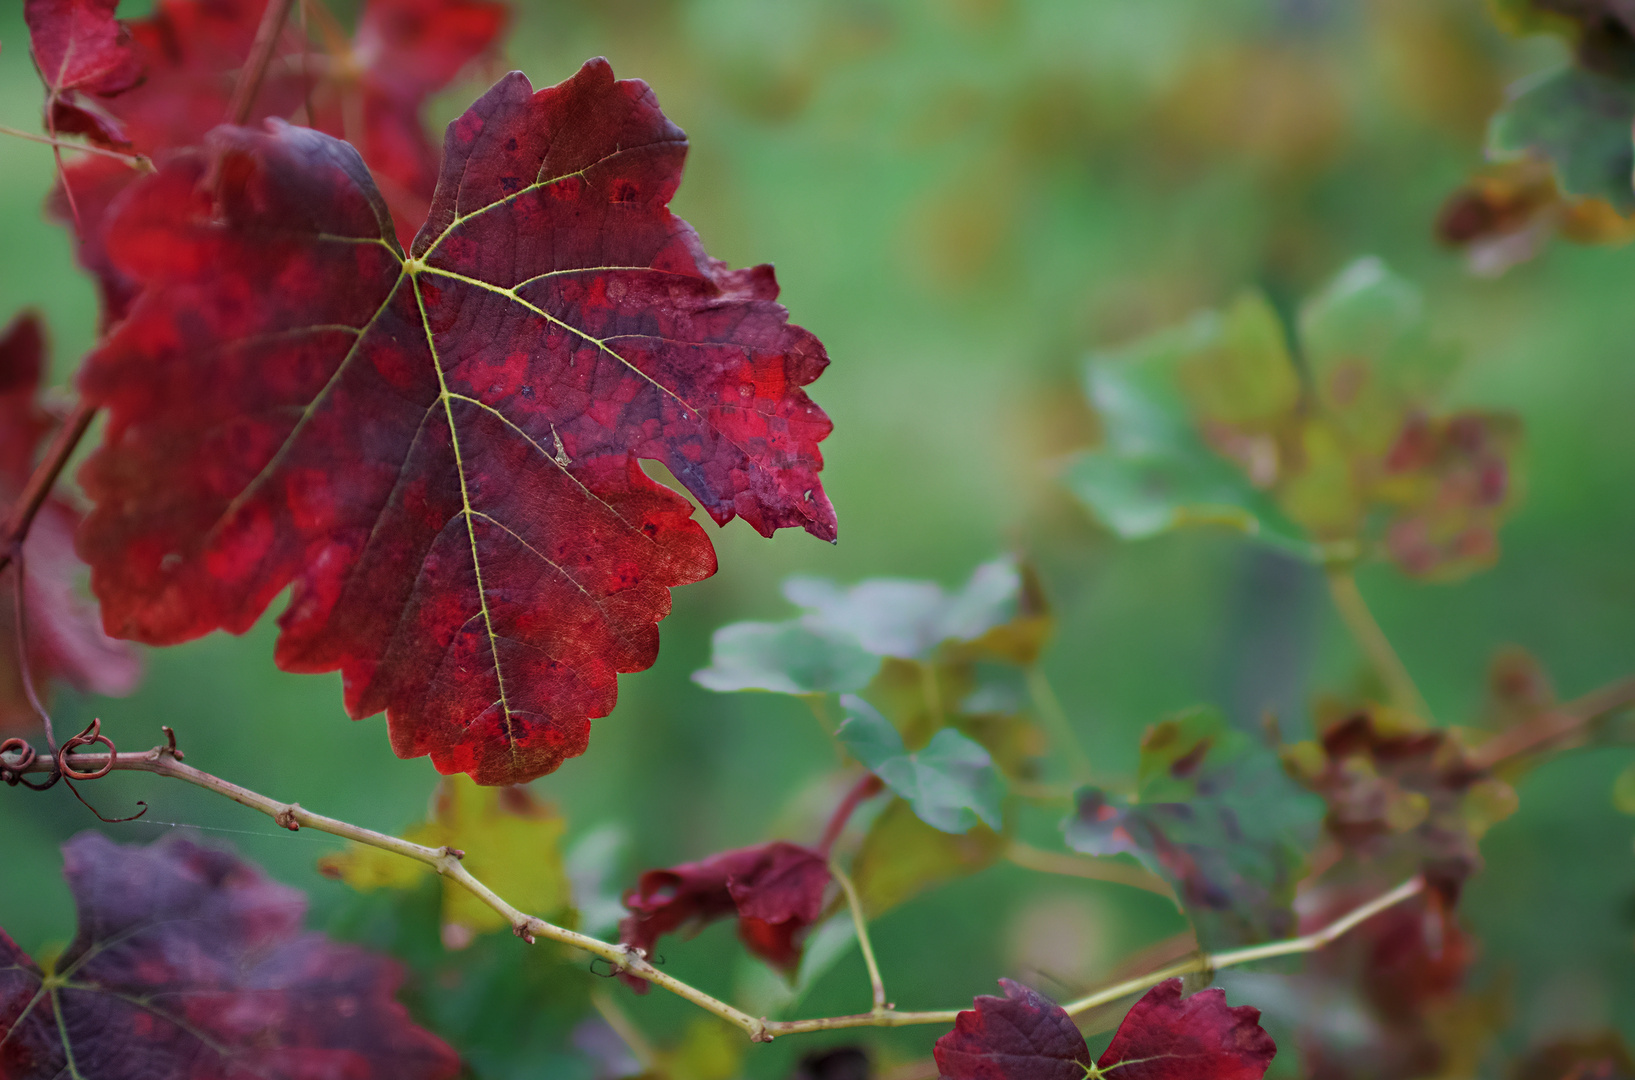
point(961, 198)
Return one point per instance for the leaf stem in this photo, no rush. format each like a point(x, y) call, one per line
point(43, 479)
point(1049, 708)
point(161, 760)
point(867, 787)
point(140, 162)
point(1083, 866)
point(1365, 630)
point(932, 692)
point(626, 1029)
point(876, 983)
point(255, 67)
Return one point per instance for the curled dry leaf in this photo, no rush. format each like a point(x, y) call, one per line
point(65, 637)
point(776, 890)
point(1024, 1036)
point(189, 964)
point(493, 554)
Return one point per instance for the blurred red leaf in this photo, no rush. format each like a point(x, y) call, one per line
point(189, 964)
point(1600, 1056)
point(65, 638)
point(187, 55)
point(80, 48)
point(1024, 1036)
point(775, 890)
point(441, 452)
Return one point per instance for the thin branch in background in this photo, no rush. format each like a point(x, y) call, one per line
point(139, 162)
point(1365, 630)
point(267, 34)
point(43, 479)
point(25, 669)
point(446, 861)
point(932, 692)
point(876, 983)
point(1555, 725)
point(1049, 708)
point(1085, 866)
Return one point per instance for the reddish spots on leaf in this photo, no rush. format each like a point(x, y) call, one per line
point(465, 461)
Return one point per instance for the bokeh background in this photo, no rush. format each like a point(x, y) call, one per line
point(963, 197)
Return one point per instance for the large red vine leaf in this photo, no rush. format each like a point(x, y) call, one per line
point(440, 451)
point(65, 638)
point(1025, 1036)
point(775, 889)
point(187, 57)
point(189, 965)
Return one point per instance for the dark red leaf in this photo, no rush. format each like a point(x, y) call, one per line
point(1024, 1036)
point(189, 965)
point(80, 48)
point(1167, 1037)
point(441, 453)
point(1021, 1036)
point(65, 638)
point(775, 890)
point(370, 90)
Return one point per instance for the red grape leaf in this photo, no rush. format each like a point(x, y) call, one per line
point(1024, 1036)
point(490, 555)
point(80, 48)
point(65, 638)
point(189, 964)
point(1399, 794)
point(372, 90)
point(775, 889)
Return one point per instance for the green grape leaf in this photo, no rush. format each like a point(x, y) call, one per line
point(512, 842)
point(843, 634)
point(786, 658)
point(951, 783)
point(1580, 120)
point(1211, 422)
point(1214, 816)
point(902, 857)
point(1153, 472)
point(911, 620)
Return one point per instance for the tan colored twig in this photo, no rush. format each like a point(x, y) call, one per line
point(161, 760)
point(139, 162)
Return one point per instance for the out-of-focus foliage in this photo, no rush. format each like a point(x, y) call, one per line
point(1337, 458)
point(963, 199)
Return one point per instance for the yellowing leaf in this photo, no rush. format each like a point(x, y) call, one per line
point(512, 843)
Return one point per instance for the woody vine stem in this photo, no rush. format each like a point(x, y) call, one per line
point(166, 761)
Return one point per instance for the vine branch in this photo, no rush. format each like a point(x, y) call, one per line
point(43, 479)
point(267, 34)
point(163, 761)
